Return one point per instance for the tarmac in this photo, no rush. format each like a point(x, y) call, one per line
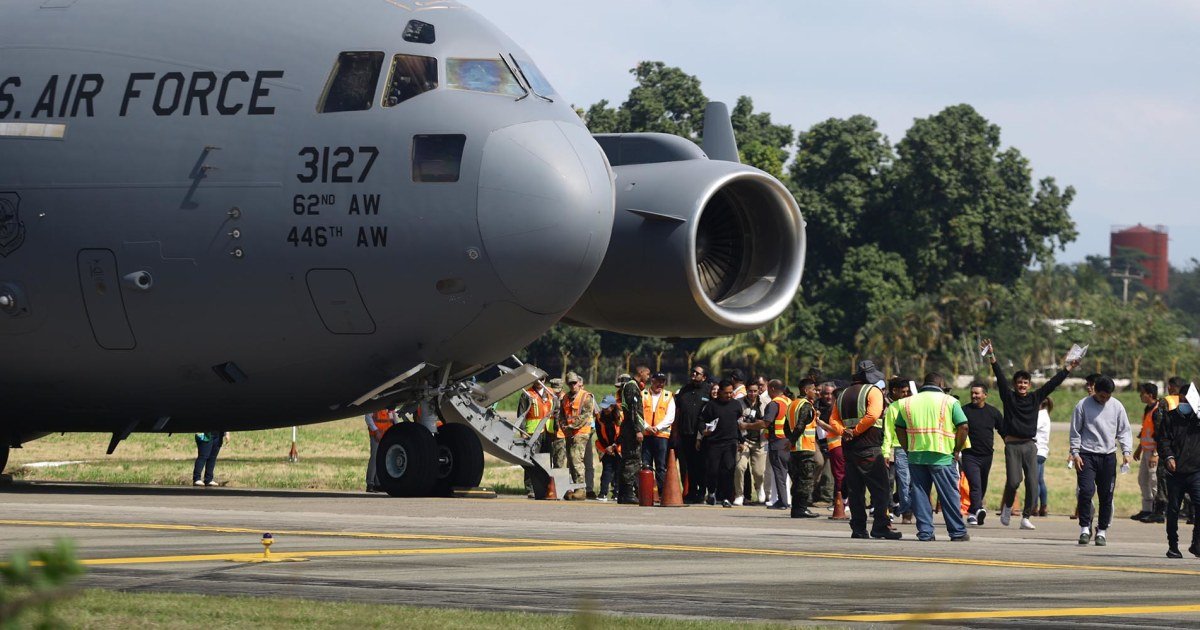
point(508, 553)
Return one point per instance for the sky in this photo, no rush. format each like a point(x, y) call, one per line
point(1103, 96)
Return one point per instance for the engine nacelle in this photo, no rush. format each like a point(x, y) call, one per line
point(699, 247)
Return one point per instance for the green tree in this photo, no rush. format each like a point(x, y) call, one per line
point(836, 176)
point(762, 348)
point(762, 143)
point(665, 100)
point(37, 580)
point(870, 283)
point(968, 206)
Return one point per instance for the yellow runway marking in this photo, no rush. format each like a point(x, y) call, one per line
point(1021, 613)
point(829, 555)
point(305, 555)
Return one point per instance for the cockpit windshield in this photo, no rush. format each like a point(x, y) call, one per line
point(492, 76)
point(534, 76)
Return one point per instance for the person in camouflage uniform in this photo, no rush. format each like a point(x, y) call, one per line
point(577, 412)
point(629, 395)
point(554, 435)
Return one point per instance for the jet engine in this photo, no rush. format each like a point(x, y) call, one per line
point(699, 247)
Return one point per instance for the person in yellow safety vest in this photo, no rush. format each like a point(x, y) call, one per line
point(895, 453)
point(377, 424)
point(536, 404)
point(932, 426)
point(1147, 448)
point(658, 412)
point(800, 430)
point(575, 418)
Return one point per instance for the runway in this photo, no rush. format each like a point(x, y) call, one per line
point(745, 563)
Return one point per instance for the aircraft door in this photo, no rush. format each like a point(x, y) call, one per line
point(102, 300)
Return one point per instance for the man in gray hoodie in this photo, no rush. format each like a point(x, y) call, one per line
point(1098, 423)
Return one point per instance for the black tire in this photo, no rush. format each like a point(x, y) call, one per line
point(3, 456)
point(407, 461)
point(459, 459)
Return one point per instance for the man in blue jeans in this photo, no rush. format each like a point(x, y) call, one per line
point(1099, 425)
point(208, 445)
point(932, 425)
point(893, 452)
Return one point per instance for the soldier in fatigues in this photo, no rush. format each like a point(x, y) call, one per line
point(576, 415)
point(800, 428)
point(632, 428)
point(554, 433)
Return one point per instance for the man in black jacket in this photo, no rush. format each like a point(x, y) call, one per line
point(688, 401)
point(1179, 447)
point(1019, 430)
point(719, 432)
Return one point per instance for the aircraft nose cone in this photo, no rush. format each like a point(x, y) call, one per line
point(545, 211)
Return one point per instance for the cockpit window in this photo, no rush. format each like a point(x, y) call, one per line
point(411, 76)
point(534, 76)
point(482, 75)
point(351, 84)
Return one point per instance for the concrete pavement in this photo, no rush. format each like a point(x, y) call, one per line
point(508, 553)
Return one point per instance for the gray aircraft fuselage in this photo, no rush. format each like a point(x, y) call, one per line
point(238, 215)
point(286, 250)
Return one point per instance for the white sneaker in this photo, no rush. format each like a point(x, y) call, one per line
point(603, 499)
point(737, 501)
point(212, 483)
point(1005, 516)
point(971, 520)
point(1027, 524)
point(197, 483)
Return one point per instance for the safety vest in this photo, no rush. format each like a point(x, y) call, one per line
point(539, 408)
point(608, 434)
point(1147, 434)
point(570, 410)
point(653, 416)
point(808, 439)
point(929, 424)
point(852, 404)
point(382, 420)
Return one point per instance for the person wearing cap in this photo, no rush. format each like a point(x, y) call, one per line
point(633, 427)
point(1098, 425)
point(576, 416)
point(533, 408)
point(688, 401)
point(856, 415)
point(556, 440)
point(800, 433)
point(933, 429)
point(658, 413)
point(1178, 444)
point(608, 435)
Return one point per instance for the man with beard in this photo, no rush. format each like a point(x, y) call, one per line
point(689, 400)
point(857, 414)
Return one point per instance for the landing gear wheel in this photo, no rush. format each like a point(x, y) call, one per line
point(459, 459)
point(407, 461)
point(3, 456)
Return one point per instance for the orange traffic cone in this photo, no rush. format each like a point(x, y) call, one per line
point(551, 492)
point(672, 494)
point(839, 508)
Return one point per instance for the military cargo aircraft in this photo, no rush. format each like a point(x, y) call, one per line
point(231, 215)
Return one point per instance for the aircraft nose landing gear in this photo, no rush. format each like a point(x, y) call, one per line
point(3, 455)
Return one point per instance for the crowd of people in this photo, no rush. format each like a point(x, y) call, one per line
point(872, 450)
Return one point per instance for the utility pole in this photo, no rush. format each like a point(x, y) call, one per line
point(1125, 278)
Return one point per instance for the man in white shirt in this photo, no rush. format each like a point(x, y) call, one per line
point(658, 410)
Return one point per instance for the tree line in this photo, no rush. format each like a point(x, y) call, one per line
point(915, 250)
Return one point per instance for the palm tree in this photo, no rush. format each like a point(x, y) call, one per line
point(765, 345)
